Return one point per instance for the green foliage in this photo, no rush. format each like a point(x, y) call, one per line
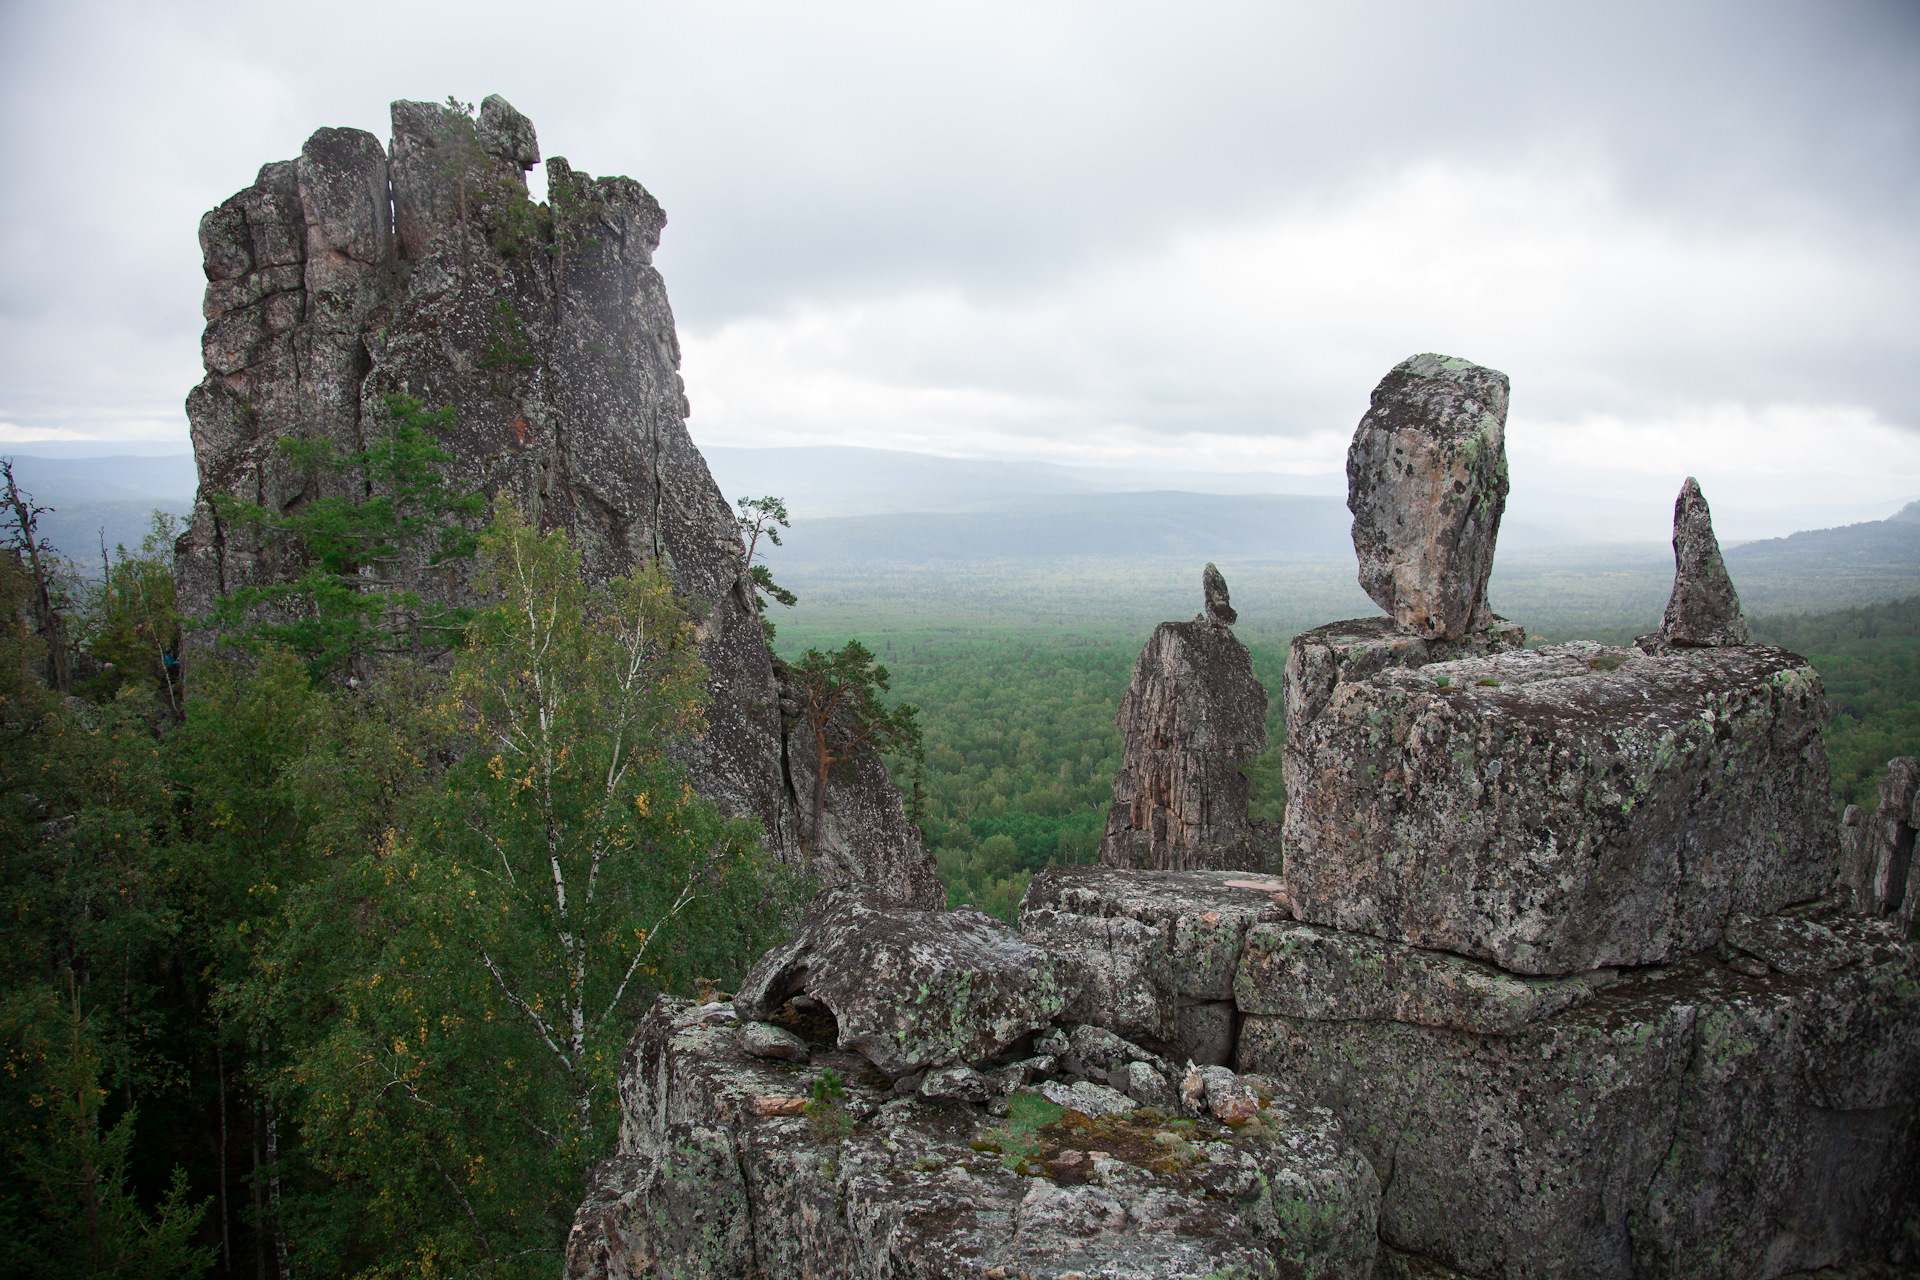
point(80, 1216)
point(1869, 660)
point(354, 555)
point(451, 993)
point(510, 349)
point(842, 714)
point(763, 518)
point(131, 627)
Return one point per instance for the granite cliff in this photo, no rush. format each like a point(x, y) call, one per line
point(359, 271)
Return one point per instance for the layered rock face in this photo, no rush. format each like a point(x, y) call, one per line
point(1746, 1110)
point(1193, 716)
point(359, 271)
point(1427, 485)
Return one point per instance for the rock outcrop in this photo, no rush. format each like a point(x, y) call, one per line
point(1427, 485)
point(1193, 718)
point(1704, 609)
point(1877, 848)
point(357, 272)
point(1745, 1110)
point(729, 1165)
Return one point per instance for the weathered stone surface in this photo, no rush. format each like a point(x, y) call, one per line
point(1565, 809)
point(1685, 1122)
point(1193, 716)
point(908, 988)
point(1130, 948)
point(962, 1083)
point(764, 1040)
point(1088, 1097)
point(1704, 608)
point(715, 1176)
point(1360, 648)
point(1427, 485)
point(358, 271)
point(1305, 971)
point(1218, 610)
point(1877, 848)
point(1206, 1030)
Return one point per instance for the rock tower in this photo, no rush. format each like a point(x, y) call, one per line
point(359, 271)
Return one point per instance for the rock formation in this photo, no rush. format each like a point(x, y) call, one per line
point(357, 272)
point(1427, 484)
point(1704, 609)
point(1554, 982)
point(1877, 848)
point(1192, 719)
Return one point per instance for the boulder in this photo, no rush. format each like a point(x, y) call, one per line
point(358, 271)
point(1685, 1121)
point(1192, 719)
point(1562, 810)
point(718, 1173)
point(1427, 485)
point(1704, 609)
point(1133, 949)
point(909, 989)
point(764, 1040)
point(1877, 848)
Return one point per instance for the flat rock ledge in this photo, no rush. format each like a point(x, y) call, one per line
point(727, 1166)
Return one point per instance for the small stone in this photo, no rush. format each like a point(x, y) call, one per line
point(1095, 1051)
point(1088, 1098)
point(963, 1083)
point(1704, 610)
point(769, 1104)
point(764, 1040)
point(1427, 485)
point(1231, 1098)
point(1052, 1042)
point(1748, 965)
point(1198, 1082)
point(909, 1084)
point(1148, 1087)
point(1027, 1070)
point(1219, 608)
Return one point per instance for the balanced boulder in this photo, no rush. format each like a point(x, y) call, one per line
point(1427, 485)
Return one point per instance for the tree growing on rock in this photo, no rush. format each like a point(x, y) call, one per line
point(764, 518)
point(843, 714)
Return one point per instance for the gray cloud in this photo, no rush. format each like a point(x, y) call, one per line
point(1722, 197)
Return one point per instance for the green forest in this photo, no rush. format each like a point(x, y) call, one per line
point(321, 961)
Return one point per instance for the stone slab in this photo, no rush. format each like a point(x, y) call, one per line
point(1305, 971)
point(1562, 810)
point(1689, 1121)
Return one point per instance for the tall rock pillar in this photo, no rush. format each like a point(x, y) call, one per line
point(358, 272)
point(1193, 717)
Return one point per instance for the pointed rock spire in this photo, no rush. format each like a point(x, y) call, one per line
point(1704, 610)
point(1213, 585)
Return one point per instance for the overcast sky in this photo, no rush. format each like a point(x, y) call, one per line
point(1179, 237)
